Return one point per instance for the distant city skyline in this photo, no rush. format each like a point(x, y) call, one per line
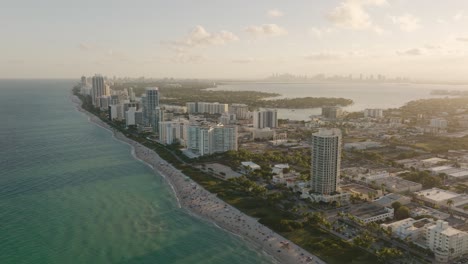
point(224, 39)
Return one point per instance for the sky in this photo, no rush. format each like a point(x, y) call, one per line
point(418, 39)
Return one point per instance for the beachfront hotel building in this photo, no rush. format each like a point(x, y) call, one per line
point(174, 131)
point(98, 89)
point(326, 160)
point(209, 139)
point(265, 118)
point(130, 116)
point(151, 107)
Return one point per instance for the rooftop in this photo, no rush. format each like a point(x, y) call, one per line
point(250, 164)
point(434, 160)
point(437, 195)
point(368, 210)
point(395, 182)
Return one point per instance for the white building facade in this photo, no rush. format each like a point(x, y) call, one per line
point(265, 119)
point(205, 139)
point(446, 242)
point(326, 161)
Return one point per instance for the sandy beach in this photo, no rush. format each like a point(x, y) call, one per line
point(206, 205)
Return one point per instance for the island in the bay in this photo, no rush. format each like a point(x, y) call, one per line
point(380, 185)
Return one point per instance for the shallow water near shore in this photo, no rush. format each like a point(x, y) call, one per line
point(70, 193)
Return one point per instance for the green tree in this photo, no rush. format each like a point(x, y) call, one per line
point(364, 240)
point(386, 254)
point(396, 205)
point(402, 213)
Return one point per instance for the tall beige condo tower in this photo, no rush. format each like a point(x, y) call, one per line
point(326, 160)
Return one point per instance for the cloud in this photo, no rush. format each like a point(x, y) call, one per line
point(352, 14)
point(407, 22)
point(320, 32)
point(243, 61)
point(323, 56)
point(410, 52)
point(460, 15)
point(275, 13)
point(266, 30)
point(199, 36)
point(462, 39)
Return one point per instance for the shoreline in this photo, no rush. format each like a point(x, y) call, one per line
point(207, 206)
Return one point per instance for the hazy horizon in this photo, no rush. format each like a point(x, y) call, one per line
point(417, 39)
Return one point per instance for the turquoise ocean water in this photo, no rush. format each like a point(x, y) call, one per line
point(70, 193)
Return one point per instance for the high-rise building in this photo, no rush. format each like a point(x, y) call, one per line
point(266, 118)
point(326, 161)
point(438, 123)
point(332, 112)
point(130, 116)
point(83, 81)
point(151, 112)
point(104, 101)
point(98, 89)
point(173, 131)
point(228, 119)
point(241, 111)
point(116, 112)
point(208, 108)
point(374, 113)
point(131, 95)
point(206, 139)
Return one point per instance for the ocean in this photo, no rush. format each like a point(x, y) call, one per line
point(364, 95)
point(71, 193)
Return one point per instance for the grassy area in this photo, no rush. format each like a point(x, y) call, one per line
point(329, 248)
point(441, 144)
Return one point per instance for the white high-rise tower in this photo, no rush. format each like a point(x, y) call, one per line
point(326, 161)
point(265, 118)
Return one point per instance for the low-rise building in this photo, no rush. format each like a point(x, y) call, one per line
point(390, 183)
point(446, 242)
point(250, 166)
point(362, 145)
point(362, 191)
point(409, 229)
point(428, 211)
point(436, 196)
point(390, 198)
point(220, 171)
point(372, 212)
